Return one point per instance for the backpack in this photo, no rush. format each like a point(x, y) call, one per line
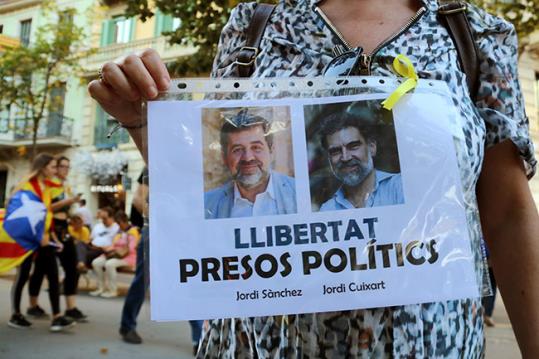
point(451, 14)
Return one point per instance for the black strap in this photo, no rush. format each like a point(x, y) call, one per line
point(248, 53)
point(452, 14)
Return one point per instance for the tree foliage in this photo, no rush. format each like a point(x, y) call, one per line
point(201, 24)
point(29, 74)
point(523, 14)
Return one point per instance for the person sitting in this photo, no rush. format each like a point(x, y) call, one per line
point(122, 253)
point(102, 235)
point(81, 234)
point(85, 214)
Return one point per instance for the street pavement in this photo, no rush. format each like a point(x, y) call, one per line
point(99, 337)
point(501, 341)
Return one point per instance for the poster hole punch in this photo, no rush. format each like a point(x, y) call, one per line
point(182, 85)
point(381, 81)
point(236, 85)
point(364, 81)
point(217, 85)
point(310, 83)
point(342, 82)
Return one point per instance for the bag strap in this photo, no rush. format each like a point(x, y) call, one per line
point(452, 14)
point(248, 53)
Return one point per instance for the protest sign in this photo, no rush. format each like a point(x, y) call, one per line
point(295, 205)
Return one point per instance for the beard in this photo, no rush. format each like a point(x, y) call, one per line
point(253, 179)
point(355, 177)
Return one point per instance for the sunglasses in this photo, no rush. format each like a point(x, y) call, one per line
point(344, 64)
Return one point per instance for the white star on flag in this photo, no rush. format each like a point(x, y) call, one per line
point(34, 211)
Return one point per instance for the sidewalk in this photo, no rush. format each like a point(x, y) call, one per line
point(99, 338)
point(501, 341)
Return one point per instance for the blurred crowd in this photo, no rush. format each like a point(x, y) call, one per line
point(82, 244)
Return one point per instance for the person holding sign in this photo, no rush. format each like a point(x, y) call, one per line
point(301, 39)
point(255, 190)
point(350, 148)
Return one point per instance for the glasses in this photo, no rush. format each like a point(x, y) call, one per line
point(344, 64)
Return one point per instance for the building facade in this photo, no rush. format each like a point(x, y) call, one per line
point(104, 170)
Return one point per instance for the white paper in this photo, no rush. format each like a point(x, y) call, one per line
point(433, 209)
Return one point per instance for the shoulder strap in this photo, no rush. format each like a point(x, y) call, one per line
point(452, 14)
point(248, 53)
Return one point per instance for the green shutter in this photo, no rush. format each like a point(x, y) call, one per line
point(158, 23)
point(132, 28)
point(167, 23)
point(107, 31)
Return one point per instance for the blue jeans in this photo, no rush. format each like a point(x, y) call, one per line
point(137, 291)
point(488, 302)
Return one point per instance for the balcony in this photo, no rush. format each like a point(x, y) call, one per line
point(54, 131)
point(111, 52)
point(7, 42)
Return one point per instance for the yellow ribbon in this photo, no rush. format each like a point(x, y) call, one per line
point(404, 67)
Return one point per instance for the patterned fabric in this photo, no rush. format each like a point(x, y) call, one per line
point(297, 43)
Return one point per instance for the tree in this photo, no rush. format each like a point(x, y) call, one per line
point(30, 74)
point(201, 24)
point(523, 14)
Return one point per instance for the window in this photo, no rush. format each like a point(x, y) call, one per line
point(104, 123)
point(122, 30)
point(176, 23)
point(56, 110)
point(1, 29)
point(26, 27)
point(66, 17)
point(165, 23)
point(118, 30)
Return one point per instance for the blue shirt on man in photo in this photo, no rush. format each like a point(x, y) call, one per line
point(387, 191)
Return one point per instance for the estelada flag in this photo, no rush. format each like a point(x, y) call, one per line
point(26, 220)
point(57, 188)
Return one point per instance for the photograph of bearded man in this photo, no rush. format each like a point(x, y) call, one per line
point(350, 148)
point(254, 188)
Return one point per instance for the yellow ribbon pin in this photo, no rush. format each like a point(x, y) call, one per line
point(404, 67)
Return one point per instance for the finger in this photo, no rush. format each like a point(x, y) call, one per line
point(103, 94)
point(156, 68)
point(138, 75)
point(116, 79)
point(123, 111)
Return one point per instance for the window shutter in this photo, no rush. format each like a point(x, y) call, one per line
point(107, 32)
point(132, 28)
point(167, 23)
point(158, 23)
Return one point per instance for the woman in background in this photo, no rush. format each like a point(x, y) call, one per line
point(39, 182)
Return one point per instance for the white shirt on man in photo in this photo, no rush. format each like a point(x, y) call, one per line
point(264, 205)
